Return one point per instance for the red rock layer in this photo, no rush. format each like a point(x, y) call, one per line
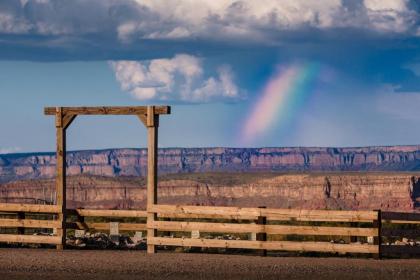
point(397, 191)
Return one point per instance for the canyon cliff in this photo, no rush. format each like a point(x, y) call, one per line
point(308, 178)
point(386, 191)
point(132, 162)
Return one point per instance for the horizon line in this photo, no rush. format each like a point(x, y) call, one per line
point(217, 147)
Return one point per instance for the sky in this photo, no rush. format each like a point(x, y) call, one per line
point(237, 73)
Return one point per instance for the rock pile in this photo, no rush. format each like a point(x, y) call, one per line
point(103, 241)
point(405, 242)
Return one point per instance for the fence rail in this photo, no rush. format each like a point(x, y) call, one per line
point(29, 208)
point(267, 245)
point(182, 211)
point(22, 222)
point(37, 239)
point(243, 225)
point(401, 217)
point(264, 223)
point(268, 229)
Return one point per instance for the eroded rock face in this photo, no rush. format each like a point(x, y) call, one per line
point(400, 192)
point(132, 162)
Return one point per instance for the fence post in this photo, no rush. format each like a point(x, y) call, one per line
point(378, 239)
point(262, 236)
point(21, 216)
point(152, 123)
point(61, 176)
point(81, 220)
point(353, 239)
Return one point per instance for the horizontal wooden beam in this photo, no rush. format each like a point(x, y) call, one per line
point(26, 223)
point(182, 211)
point(107, 213)
point(319, 215)
point(411, 233)
point(402, 217)
point(400, 222)
point(267, 245)
point(128, 110)
point(105, 226)
point(38, 239)
point(30, 208)
point(269, 229)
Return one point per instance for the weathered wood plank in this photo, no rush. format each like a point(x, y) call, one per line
point(205, 216)
point(183, 211)
point(402, 217)
point(269, 229)
point(270, 213)
point(108, 213)
point(26, 223)
point(29, 208)
point(106, 110)
point(413, 233)
point(319, 215)
point(267, 245)
point(39, 239)
point(400, 222)
point(106, 226)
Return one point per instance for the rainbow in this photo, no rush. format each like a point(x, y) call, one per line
point(280, 100)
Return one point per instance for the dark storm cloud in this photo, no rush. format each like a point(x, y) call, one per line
point(56, 30)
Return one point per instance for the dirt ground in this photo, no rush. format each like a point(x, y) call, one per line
point(90, 264)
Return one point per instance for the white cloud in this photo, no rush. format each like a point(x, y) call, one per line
point(181, 78)
point(246, 13)
point(390, 15)
point(217, 19)
point(249, 17)
point(10, 24)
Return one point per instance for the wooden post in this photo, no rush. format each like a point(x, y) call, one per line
point(61, 175)
point(81, 220)
point(152, 123)
point(21, 216)
point(353, 239)
point(378, 239)
point(262, 236)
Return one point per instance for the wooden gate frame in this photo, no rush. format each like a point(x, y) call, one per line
point(148, 115)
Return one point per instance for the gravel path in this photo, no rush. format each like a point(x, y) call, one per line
point(77, 264)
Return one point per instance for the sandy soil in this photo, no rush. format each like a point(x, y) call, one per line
point(74, 264)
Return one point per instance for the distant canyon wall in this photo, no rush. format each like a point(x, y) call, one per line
point(132, 162)
point(399, 192)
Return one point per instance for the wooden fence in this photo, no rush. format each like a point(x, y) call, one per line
point(396, 226)
point(325, 230)
point(17, 218)
point(19, 221)
point(243, 216)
